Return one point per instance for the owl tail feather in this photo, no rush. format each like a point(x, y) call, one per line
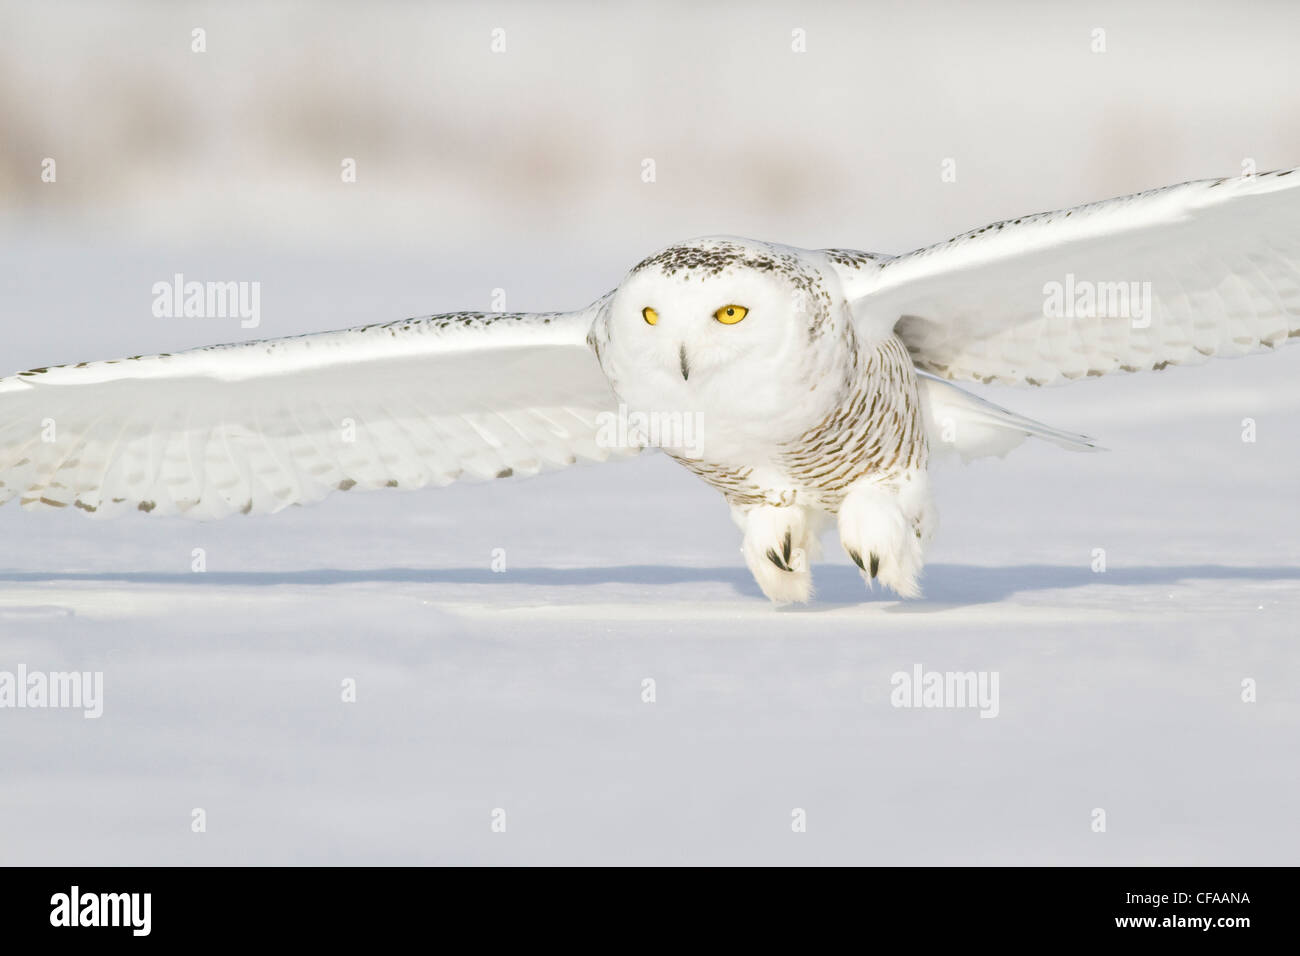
point(958, 422)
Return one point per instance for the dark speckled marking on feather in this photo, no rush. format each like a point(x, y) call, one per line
point(711, 258)
point(734, 483)
point(875, 430)
point(461, 321)
point(852, 258)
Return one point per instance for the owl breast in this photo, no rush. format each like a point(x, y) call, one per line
point(874, 428)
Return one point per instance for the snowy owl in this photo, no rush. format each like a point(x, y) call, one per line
point(807, 386)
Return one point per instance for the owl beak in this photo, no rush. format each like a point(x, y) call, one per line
point(686, 366)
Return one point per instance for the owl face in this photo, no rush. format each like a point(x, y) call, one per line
point(725, 327)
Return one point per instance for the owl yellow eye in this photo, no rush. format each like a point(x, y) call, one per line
point(650, 315)
point(731, 314)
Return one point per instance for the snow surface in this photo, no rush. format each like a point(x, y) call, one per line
point(521, 690)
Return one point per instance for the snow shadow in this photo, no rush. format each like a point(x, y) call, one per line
point(946, 585)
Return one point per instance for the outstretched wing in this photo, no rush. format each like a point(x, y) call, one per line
point(1169, 276)
point(259, 426)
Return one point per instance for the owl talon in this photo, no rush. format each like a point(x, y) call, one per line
point(780, 543)
point(776, 559)
point(879, 521)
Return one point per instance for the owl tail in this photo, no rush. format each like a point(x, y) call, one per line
point(958, 422)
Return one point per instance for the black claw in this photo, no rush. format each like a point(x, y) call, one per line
point(776, 559)
point(785, 551)
point(875, 563)
point(857, 559)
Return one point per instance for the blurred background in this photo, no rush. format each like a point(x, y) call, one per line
point(537, 150)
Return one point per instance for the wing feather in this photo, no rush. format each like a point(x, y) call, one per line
point(1219, 258)
point(262, 425)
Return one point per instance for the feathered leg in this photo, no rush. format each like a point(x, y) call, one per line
point(779, 547)
point(885, 525)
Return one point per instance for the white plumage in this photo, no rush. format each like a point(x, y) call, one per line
point(256, 427)
point(816, 402)
point(1222, 258)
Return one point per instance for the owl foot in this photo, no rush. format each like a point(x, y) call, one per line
point(780, 543)
point(884, 527)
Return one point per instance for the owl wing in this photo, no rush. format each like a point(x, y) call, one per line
point(258, 426)
point(1166, 277)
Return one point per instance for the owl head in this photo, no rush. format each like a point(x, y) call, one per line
point(731, 327)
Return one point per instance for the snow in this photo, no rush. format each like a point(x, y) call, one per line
point(522, 689)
